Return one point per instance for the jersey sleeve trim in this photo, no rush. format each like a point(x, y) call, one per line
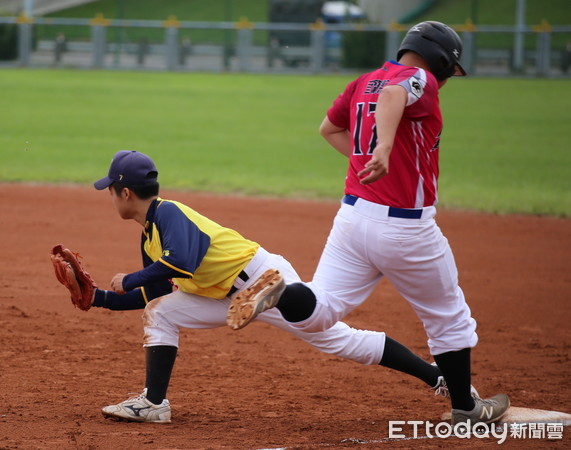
point(145, 298)
point(190, 274)
point(414, 86)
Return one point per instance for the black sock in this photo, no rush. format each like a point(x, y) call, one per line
point(297, 302)
point(456, 369)
point(396, 356)
point(160, 361)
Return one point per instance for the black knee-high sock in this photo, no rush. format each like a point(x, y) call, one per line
point(398, 357)
point(456, 369)
point(297, 302)
point(160, 361)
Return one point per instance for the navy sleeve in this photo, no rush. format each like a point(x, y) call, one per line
point(156, 272)
point(158, 289)
point(184, 244)
point(133, 299)
point(116, 302)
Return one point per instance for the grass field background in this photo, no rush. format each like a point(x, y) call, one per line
point(455, 12)
point(488, 12)
point(505, 145)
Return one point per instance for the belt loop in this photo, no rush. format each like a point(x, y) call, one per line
point(244, 277)
point(350, 199)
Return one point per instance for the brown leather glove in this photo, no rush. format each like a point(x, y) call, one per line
point(73, 276)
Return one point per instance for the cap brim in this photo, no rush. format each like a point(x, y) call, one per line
point(104, 183)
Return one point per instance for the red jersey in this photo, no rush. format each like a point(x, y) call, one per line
point(413, 165)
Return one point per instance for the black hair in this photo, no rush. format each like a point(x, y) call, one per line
point(143, 191)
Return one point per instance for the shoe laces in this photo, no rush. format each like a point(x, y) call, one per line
point(136, 396)
point(441, 389)
point(485, 401)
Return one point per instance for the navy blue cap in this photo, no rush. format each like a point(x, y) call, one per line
point(131, 168)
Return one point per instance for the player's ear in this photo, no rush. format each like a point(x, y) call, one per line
point(126, 193)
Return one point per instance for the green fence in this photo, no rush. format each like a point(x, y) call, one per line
point(244, 46)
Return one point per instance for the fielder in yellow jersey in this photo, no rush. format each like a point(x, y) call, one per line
point(204, 258)
point(209, 265)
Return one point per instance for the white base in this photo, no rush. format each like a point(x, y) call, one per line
point(517, 414)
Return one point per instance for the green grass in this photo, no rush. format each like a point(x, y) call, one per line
point(494, 12)
point(504, 146)
point(222, 133)
point(503, 12)
point(193, 10)
point(184, 10)
point(487, 12)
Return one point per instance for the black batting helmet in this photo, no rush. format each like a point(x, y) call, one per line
point(438, 44)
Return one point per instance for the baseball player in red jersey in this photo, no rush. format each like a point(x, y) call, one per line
point(209, 264)
point(388, 123)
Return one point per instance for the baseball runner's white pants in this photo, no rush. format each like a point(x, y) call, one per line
point(364, 245)
point(165, 316)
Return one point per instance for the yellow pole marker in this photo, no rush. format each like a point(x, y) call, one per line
point(317, 25)
point(468, 27)
point(543, 27)
point(171, 22)
point(244, 24)
point(24, 18)
point(100, 20)
point(395, 26)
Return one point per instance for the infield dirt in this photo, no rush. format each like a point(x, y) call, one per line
point(260, 387)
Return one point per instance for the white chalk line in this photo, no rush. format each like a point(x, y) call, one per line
point(561, 418)
point(350, 441)
point(498, 428)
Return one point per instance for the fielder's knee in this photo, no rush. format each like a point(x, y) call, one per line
point(158, 330)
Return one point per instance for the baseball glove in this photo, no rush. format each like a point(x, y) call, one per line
point(73, 276)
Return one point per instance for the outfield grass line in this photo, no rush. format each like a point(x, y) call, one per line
point(221, 133)
point(184, 191)
point(173, 191)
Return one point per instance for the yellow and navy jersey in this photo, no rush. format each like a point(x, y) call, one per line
point(199, 255)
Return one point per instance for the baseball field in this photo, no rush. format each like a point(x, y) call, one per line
point(244, 150)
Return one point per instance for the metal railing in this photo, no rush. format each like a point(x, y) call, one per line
point(257, 47)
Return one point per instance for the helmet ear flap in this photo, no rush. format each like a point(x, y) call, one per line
point(447, 69)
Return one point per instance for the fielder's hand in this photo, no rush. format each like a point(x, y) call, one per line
point(117, 283)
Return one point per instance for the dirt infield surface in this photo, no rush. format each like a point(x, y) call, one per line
point(260, 387)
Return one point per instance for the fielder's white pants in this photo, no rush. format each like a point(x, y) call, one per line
point(165, 316)
point(366, 244)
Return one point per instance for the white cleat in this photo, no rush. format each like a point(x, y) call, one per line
point(139, 409)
